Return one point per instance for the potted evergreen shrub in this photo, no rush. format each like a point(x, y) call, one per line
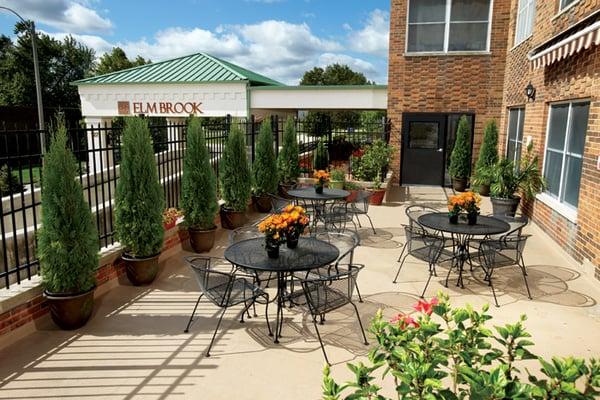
point(460, 159)
point(139, 203)
point(235, 180)
point(288, 161)
point(264, 170)
point(198, 190)
point(508, 180)
point(488, 156)
point(68, 240)
point(321, 158)
point(337, 178)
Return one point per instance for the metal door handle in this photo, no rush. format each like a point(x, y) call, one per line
point(440, 149)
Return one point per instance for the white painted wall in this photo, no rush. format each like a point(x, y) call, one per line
point(310, 98)
point(217, 99)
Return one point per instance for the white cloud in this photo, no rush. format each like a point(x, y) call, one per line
point(373, 38)
point(65, 15)
point(99, 44)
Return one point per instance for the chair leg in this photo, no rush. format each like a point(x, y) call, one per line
point(431, 269)
point(524, 270)
point(402, 252)
point(400, 267)
point(187, 328)
point(360, 300)
point(358, 220)
point(267, 315)
point(493, 290)
point(215, 333)
point(362, 330)
point(320, 340)
point(371, 222)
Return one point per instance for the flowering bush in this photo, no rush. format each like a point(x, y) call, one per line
point(440, 352)
point(291, 221)
point(170, 216)
point(468, 201)
point(321, 177)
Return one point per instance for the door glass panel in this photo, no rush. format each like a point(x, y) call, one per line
point(573, 178)
point(423, 135)
point(552, 171)
point(427, 11)
point(579, 122)
point(429, 37)
point(558, 127)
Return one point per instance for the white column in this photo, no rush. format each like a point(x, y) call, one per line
point(174, 132)
point(98, 156)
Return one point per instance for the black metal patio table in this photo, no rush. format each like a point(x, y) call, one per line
point(310, 254)
point(462, 233)
point(318, 200)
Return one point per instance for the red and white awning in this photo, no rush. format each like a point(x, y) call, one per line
point(578, 41)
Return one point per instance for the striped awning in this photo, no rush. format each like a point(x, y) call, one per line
point(580, 40)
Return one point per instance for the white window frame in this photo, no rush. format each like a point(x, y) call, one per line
point(446, 23)
point(524, 12)
point(562, 6)
point(520, 115)
point(557, 202)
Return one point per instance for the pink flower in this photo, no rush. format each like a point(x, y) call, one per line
point(404, 321)
point(426, 307)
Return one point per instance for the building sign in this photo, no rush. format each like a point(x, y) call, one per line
point(162, 107)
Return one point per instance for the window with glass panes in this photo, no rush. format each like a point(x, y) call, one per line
point(516, 118)
point(565, 3)
point(525, 19)
point(565, 141)
point(448, 25)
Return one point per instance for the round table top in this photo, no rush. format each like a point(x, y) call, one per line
point(309, 193)
point(311, 253)
point(484, 226)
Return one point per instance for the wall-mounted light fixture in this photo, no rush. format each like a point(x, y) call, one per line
point(530, 92)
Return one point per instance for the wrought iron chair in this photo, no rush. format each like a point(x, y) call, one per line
point(423, 246)
point(517, 224)
point(360, 206)
point(262, 279)
point(278, 203)
point(329, 293)
point(336, 215)
point(224, 290)
point(504, 252)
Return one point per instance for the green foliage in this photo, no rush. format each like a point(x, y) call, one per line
point(139, 198)
point(507, 178)
point(321, 156)
point(117, 60)
point(234, 172)
point(334, 74)
point(488, 155)
point(460, 159)
point(9, 183)
point(61, 62)
point(198, 184)
point(288, 162)
point(264, 169)
point(68, 240)
point(441, 352)
point(337, 174)
point(376, 158)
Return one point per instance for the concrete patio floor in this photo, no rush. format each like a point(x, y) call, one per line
point(134, 346)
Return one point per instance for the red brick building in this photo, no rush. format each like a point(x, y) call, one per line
point(477, 57)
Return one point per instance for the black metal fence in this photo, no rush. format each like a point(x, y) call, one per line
point(97, 150)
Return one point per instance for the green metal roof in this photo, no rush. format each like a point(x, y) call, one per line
point(195, 68)
point(324, 87)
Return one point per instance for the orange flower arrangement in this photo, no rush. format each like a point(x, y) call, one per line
point(468, 201)
point(292, 220)
point(170, 216)
point(321, 177)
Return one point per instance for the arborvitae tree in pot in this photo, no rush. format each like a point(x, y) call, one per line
point(321, 158)
point(68, 240)
point(460, 159)
point(288, 162)
point(235, 178)
point(488, 156)
point(264, 169)
point(139, 203)
point(198, 189)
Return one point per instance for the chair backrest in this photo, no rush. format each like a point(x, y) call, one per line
point(415, 211)
point(329, 293)
point(346, 242)
point(215, 285)
point(243, 233)
point(516, 224)
point(422, 244)
point(361, 201)
point(278, 203)
point(504, 251)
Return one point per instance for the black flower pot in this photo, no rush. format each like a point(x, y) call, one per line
point(472, 219)
point(453, 218)
point(272, 249)
point(505, 207)
point(319, 189)
point(291, 240)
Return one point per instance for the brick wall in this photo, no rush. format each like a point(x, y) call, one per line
point(576, 77)
point(445, 83)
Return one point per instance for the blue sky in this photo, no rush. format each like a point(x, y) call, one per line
point(279, 38)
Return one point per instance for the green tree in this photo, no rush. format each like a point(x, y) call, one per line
point(321, 157)
point(264, 169)
point(139, 198)
point(488, 154)
point(117, 60)
point(234, 172)
point(460, 159)
point(68, 240)
point(9, 183)
point(288, 162)
point(199, 189)
point(61, 62)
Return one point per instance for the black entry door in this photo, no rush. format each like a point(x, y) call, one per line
point(423, 140)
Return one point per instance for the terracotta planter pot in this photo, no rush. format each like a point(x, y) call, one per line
point(262, 203)
point(336, 184)
point(202, 240)
point(459, 184)
point(377, 197)
point(505, 207)
point(232, 219)
point(170, 225)
point(141, 271)
point(71, 311)
point(352, 196)
point(484, 190)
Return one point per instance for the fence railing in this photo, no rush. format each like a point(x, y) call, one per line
point(97, 150)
